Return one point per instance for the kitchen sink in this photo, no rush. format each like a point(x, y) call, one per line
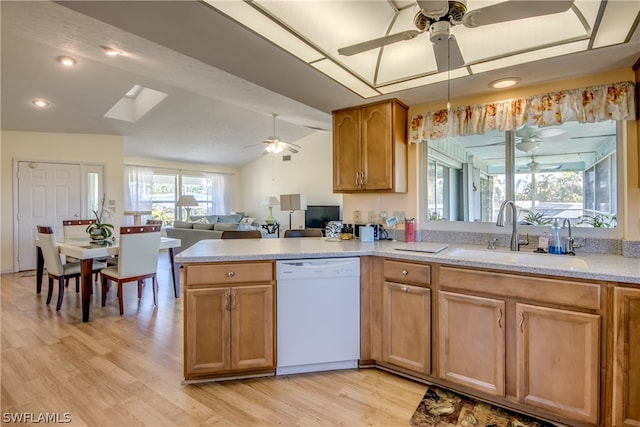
point(522, 258)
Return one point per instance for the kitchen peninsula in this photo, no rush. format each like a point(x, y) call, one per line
point(548, 337)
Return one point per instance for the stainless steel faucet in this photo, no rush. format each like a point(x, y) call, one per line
point(515, 239)
point(570, 248)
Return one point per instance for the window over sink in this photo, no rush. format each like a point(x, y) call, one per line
point(562, 171)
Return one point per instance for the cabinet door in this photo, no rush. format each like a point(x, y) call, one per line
point(558, 364)
point(346, 150)
point(406, 326)
point(252, 338)
point(472, 342)
point(377, 147)
point(206, 331)
point(626, 357)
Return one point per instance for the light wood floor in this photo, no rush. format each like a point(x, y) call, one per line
point(127, 370)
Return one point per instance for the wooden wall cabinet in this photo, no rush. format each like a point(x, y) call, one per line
point(406, 316)
point(370, 148)
point(487, 319)
point(626, 357)
point(229, 319)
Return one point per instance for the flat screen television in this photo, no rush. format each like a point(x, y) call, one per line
point(317, 216)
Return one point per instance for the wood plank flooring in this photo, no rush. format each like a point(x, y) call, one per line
point(127, 370)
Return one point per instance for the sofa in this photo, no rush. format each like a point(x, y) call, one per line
point(209, 227)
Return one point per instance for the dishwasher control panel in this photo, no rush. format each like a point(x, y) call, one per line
point(314, 268)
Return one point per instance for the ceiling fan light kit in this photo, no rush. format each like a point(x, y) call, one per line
point(273, 143)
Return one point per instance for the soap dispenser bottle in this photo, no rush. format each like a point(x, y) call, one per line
point(555, 247)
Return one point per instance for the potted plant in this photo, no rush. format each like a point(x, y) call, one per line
point(100, 230)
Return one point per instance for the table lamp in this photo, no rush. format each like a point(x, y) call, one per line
point(270, 201)
point(187, 202)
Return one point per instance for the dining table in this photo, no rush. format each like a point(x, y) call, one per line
point(86, 250)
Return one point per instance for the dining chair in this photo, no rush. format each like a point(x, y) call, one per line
point(237, 234)
point(56, 269)
point(76, 227)
point(307, 232)
point(137, 261)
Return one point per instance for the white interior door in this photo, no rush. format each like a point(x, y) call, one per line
point(48, 193)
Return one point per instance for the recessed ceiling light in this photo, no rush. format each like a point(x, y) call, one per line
point(504, 83)
point(67, 61)
point(111, 51)
point(40, 103)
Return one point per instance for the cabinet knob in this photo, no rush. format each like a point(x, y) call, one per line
point(231, 274)
point(405, 289)
point(405, 272)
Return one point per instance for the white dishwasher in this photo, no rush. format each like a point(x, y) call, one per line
point(318, 314)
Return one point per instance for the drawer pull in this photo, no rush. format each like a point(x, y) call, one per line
point(405, 272)
point(500, 318)
point(522, 321)
point(231, 274)
point(404, 289)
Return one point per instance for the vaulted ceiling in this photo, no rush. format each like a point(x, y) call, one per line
point(223, 80)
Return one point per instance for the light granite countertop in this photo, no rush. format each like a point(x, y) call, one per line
point(582, 266)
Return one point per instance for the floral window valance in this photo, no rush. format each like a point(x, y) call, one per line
point(614, 101)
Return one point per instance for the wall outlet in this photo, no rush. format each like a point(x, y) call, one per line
point(401, 215)
point(357, 217)
point(372, 218)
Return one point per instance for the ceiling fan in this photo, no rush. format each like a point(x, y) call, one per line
point(530, 137)
point(438, 16)
point(274, 145)
point(534, 166)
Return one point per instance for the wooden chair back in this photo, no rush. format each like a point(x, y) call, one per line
point(138, 251)
point(237, 234)
point(307, 232)
point(76, 227)
point(50, 253)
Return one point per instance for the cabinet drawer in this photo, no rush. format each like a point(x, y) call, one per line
point(228, 273)
point(407, 272)
point(582, 295)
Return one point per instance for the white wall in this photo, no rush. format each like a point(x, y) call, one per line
point(309, 172)
point(54, 147)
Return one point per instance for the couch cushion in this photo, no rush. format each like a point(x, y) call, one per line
point(182, 224)
point(225, 226)
point(206, 226)
point(212, 219)
point(227, 219)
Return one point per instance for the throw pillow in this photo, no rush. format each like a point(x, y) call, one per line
point(233, 218)
point(202, 220)
point(246, 224)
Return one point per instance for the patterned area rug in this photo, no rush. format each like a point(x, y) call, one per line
point(441, 407)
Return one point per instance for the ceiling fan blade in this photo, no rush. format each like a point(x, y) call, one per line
point(434, 8)
point(291, 149)
point(549, 132)
point(513, 10)
point(448, 55)
point(379, 42)
point(593, 136)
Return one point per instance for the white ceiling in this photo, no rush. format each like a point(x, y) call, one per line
point(223, 81)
